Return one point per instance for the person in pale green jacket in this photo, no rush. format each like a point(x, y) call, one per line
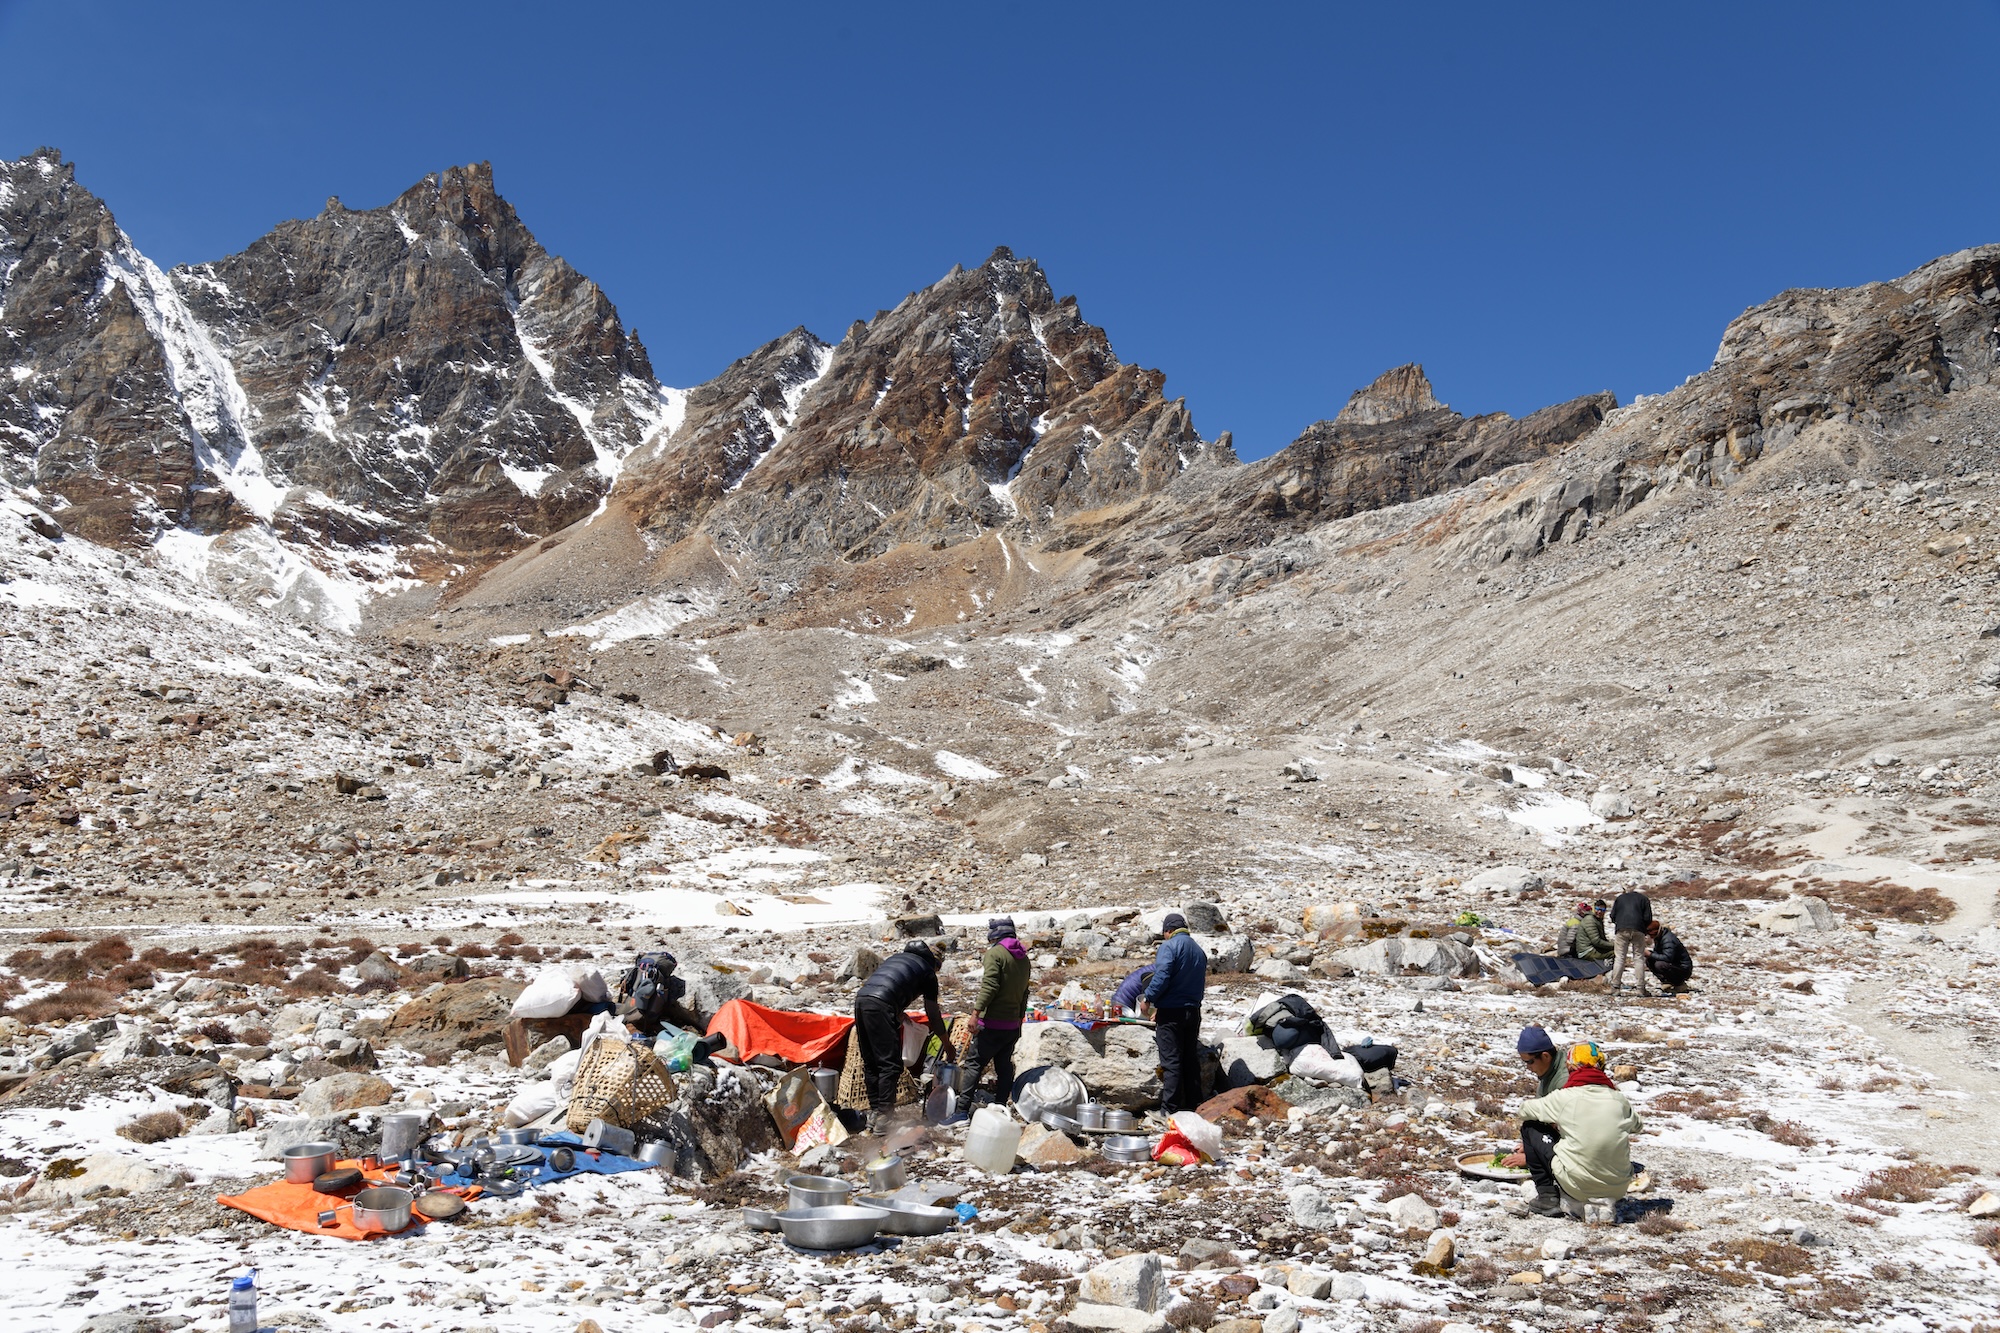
point(1578, 1139)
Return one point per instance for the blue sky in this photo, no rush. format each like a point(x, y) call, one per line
point(1270, 203)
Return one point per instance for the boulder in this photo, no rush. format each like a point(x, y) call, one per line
point(1986, 1205)
point(135, 1043)
point(1441, 1251)
point(1409, 1212)
point(1251, 1101)
point(718, 1118)
point(710, 987)
point(351, 1053)
point(1309, 1284)
point(1796, 916)
point(1042, 1146)
point(1338, 920)
point(860, 965)
point(1252, 1060)
point(1320, 1097)
point(99, 1173)
point(919, 927)
point(1608, 804)
point(1115, 1319)
point(1136, 1282)
point(1516, 880)
point(1314, 1209)
point(438, 966)
point(458, 1016)
point(343, 1092)
point(546, 1054)
point(380, 967)
point(1226, 953)
point(1204, 919)
point(1120, 1064)
point(1393, 957)
point(1277, 969)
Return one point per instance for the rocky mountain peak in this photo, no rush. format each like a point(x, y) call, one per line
point(1395, 395)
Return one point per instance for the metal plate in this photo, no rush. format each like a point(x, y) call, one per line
point(513, 1154)
point(1479, 1165)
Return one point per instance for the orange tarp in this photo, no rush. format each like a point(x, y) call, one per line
point(297, 1207)
point(799, 1038)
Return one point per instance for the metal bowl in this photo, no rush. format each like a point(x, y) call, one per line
point(383, 1208)
point(1058, 1121)
point(831, 1228)
point(818, 1192)
point(912, 1219)
point(526, 1137)
point(1119, 1119)
point(305, 1162)
point(1128, 1148)
point(760, 1219)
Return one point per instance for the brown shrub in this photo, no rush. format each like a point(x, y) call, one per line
point(1912, 1182)
point(130, 976)
point(107, 953)
point(512, 938)
point(254, 1037)
point(474, 951)
point(164, 961)
point(1895, 902)
point(153, 1127)
point(1690, 1184)
point(74, 1001)
point(314, 981)
point(1788, 1132)
point(218, 1032)
point(56, 937)
point(1475, 1270)
point(1194, 1312)
point(444, 941)
point(1773, 1256)
point(1660, 1222)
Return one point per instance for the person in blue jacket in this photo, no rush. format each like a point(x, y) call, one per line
point(1127, 994)
point(1173, 996)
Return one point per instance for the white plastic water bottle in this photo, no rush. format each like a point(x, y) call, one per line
point(243, 1303)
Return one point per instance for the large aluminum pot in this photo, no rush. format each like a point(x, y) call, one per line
point(818, 1191)
point(831, 1228)
point(886, 1174)
point(383, 1208)
point(1090, 1115)
point(306, 1162)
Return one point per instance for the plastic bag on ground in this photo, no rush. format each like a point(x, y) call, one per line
point(792, 1103)
point(589, 983)
point(536, 1100)
point(551, 994)
point(1204, 1134)
point(562, 1072)
point(1319, 1065)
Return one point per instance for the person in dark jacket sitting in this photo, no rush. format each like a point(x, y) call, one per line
point(1666, 957)
point(878, 1022)
point(1174, 995)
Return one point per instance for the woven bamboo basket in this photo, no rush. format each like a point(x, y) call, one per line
point(621, 1083)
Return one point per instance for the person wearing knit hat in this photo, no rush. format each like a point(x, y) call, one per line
point(1577, 1140)
point(1174, 996)
point(899, 981)
point(1549, 1064)
point(1000, 1006)
point(1582, 936)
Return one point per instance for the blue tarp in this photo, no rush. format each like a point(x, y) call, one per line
point(1541, 968)
point(588, 1160)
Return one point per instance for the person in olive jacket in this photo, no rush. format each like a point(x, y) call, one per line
point(1000, 1006)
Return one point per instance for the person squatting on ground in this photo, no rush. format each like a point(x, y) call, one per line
point(1000, 1006)
point(1577, 1140)
point(1631, 913)
point(1547, 1063)
point(878, 1020)
point(1174, 995)
point(1666, 957)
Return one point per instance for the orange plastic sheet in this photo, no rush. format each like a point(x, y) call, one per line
point(297, 1207)
point(794, 1037)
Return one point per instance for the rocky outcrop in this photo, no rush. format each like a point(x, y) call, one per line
point(981, 402)
point(421, 377)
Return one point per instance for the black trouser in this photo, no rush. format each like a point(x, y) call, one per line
point(880, 1028)
point(1538, 1145)
point(1671, 976)
point(995, 1046)
point(1177, 1034)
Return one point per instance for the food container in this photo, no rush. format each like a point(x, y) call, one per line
point(810, 1192)
point(1119, 1119)
point(827, 1083)
point(992, 1139)
point(657, 1152)
point(912, 1219)
point(760, 1219)
point(305, 1162)
point(521, 1137)
point(402, 1135)
point(609, 1138)
point(1128, 1148)
point(1090, 1115)
point(383, 1208)
point(886, 1174)
point(840, 1228)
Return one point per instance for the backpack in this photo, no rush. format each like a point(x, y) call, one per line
point(1290, 1022)
point(650, 984)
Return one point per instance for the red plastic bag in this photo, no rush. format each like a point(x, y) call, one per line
point(1176, 1149)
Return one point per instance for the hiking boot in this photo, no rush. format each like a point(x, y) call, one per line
point(878, 1122)
point(1546, 1203)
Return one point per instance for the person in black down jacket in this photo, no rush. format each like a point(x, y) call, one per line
point(1666, 957)
point(878, 1022)
point(1631, 913)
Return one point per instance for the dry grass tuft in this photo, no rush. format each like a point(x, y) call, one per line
point(1912, 1182)
point(153, 1126)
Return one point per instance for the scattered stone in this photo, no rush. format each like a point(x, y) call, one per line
point(467, 1015)
point(1310, 1285)
point(1312, 1208)
point(1394, 957)
point(1410, 1213)
point(1202, 1252)
point(1115, 1319)
point(343, 1092)
point(438, 966)
point(379, 966)
point(1796, 916)
point(1043, 1147)
point(1252, 1101)
point(919, 927)
point(1608, 804)
point(1250, 1060)
point(1517, 880)
point(1986, 1205)
point(99, 1173)
point(1136, 1282)
point(1442, 1251)
point(1528, 1279)
point(546, 1054)
point(1226, 953)
point(1284, 1319)
point(1204, 919)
